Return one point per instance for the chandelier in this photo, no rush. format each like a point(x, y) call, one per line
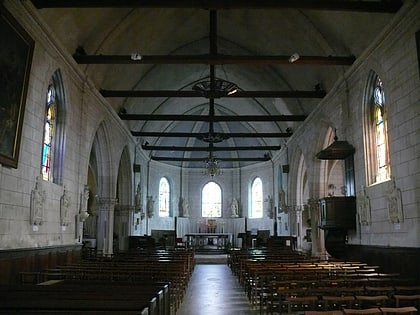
point(215, 88)
point(212, 168)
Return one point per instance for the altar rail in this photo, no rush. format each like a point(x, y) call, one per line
point(200, 240)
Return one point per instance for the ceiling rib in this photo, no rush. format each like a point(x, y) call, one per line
point(212, 118)
point(345, 5)
point(214, 59)
point(195, 135)
point(208, 149)
point(238, 94)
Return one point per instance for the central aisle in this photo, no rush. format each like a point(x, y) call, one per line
point(214, 290)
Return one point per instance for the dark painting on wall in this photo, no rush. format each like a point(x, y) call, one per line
point(16, 49)
point(418, 49)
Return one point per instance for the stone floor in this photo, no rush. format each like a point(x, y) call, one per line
point(214, 290)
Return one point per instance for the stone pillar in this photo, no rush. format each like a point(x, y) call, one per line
point(318, 245)
point(105, 225)
point(121, 224)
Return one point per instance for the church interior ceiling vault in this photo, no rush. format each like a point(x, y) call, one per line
point(233, 79)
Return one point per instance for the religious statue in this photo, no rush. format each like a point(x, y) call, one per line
point(84, 204)
point(65, 203)
point(234, 208)
point(282, 200)
point(363, 207)
point(150, 206)
point(38, 197)
point(270, 207)
point(185, 208)
point(395, 210)
point(137, 199)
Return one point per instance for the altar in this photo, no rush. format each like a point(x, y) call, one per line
point(200, 240)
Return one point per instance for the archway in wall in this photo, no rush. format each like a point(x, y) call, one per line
point(332, 184)
point(124, 208)
point(101, 197)
point(90, 224)
point(300, 209)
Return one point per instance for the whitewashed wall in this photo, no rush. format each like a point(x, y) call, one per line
point(85, 110)
point(394, 57)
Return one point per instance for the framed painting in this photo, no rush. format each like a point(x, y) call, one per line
point(418, 49)
point(15, 62)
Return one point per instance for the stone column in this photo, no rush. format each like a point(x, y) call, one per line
point(105, 225)
point(121, 225)
point(318, 245)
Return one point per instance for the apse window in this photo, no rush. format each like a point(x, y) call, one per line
point(211, 200)
point(164, 197)
point(256, 199)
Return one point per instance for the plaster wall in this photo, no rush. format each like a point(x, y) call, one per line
point(394, 57)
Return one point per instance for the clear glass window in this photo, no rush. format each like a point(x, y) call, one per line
point(164, 197)
point(211, 200)
point(256, 199)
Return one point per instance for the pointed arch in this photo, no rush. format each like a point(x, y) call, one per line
point(102, 153)
point(375, 131)
point(125, 179)
point(53, 146)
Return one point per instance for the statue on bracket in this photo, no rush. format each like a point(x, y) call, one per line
point(150, 206)
point(137, 199)
point(363, 207)
point(83, 215)
point(65, 204)
point(234, 208)
point(38, 197)
point(270, 207)
point(395, 208)
point(185, 207)
point(282, 200)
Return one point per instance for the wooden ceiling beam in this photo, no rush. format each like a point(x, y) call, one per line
point(390, 6)
point(147, 117)
point(203, 159)
point(195, 135)
point(192, 94)
point(216, 59)
point(210, 148)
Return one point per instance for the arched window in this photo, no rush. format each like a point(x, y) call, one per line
point(49, 124)
point(377, 148)
point(211, 200)
point(164, 197)
point(52, 159)
point(256, 199)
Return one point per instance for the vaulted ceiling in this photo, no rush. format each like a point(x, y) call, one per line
point(194, 77)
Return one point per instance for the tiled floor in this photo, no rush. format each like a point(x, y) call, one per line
point(214, 290)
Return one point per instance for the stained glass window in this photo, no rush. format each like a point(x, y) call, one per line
point(164, 197)
point(256, 199)
point(211, 200)
point(49, 125)
point(381, 138)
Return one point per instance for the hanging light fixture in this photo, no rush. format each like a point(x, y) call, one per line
point(212, 168)
point(219, 89)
